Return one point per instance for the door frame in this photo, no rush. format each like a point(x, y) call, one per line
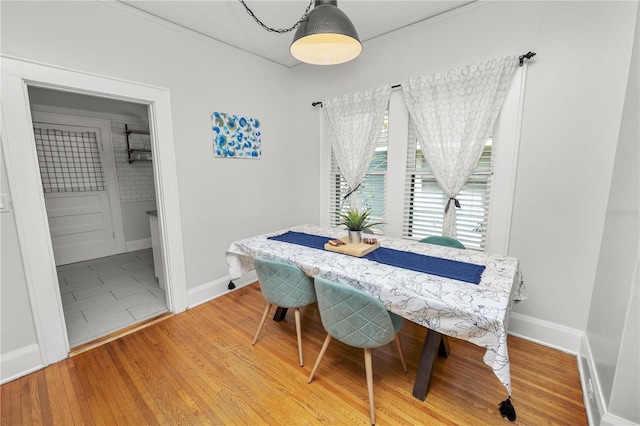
point(107, 158)
point(23, 172)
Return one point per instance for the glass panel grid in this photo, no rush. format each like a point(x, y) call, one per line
point(69, 161)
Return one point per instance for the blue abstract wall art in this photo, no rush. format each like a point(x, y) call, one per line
point(235, 136)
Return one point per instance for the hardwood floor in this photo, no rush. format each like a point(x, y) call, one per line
point(199, 367)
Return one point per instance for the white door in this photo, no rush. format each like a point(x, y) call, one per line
point(76, 192)
point(81, 226)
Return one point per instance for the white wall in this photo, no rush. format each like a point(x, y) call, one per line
point(612, 329)
point(625, 392)
point(220, 200)
point(573, 104)
point(14, 297)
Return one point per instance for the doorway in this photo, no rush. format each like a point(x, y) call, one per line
point(107, 283)
point(25, 187)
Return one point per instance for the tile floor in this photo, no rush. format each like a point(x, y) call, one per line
point(100, 296)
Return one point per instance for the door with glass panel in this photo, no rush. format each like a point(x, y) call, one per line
point(76, 192)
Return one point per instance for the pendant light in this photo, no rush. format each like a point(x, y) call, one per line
point(324, 34)
point(326, 37)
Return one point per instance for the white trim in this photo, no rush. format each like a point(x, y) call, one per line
point(192, 33)
point(214, 289)
point(139, 244)
point(167, 201)
point(586, 368)
point(396, 164)
point(609, 419)
point(372, 41)
point(324, 158)
point(449, 14)
point(48, 109)
point(28, 200)
point(505, 163)
point(12, 63)
point(552, 335)
point(597, 408)
point(31, 220)
point(20, 362)
point(107, 157)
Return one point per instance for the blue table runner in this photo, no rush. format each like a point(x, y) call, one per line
point(461, 271)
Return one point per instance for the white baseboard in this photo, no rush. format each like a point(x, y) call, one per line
point(19, 363)
point(560, 337)
point(610, 420)
point(594, 402)
point(575, 342)
point(591, 391)
point(138, 244)
point(214, 289)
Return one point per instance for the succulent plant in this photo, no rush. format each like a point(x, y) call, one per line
point(356, 220)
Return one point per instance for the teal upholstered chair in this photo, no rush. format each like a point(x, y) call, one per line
point(356, 319)
point(286, 286)
point(443, 241)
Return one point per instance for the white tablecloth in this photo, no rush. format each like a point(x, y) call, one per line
point(477, 313)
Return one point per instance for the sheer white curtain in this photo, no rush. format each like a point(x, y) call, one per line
point(454, 113)
point(354, 122)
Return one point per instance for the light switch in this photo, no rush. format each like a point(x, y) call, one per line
point(5, 203)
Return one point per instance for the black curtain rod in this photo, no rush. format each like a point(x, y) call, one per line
point(527, 55)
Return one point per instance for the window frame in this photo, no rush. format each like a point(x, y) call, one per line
point(419, 220)
point(506, 140)
point(338, 187)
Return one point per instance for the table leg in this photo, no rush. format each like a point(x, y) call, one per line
point(434, 342)
point(280, 314)
point(443, 349)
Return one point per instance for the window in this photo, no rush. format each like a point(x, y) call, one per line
point(69, 161)
point(402, 191)
point(425, 201)
point(371, 193)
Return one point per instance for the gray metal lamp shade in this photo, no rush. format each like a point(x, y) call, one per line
point(326, 37)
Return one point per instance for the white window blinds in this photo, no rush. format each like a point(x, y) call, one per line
point(425, 201)
point(371, 193)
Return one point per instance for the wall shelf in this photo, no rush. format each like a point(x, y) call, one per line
point(138, 154)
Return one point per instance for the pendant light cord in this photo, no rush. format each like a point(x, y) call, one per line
point(273, 30)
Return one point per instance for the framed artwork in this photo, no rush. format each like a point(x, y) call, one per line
point(235, 136)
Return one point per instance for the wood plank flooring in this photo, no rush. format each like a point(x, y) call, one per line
point(200, 368)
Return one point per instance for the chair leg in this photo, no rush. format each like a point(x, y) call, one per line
point(264, 318)
point(296, 312)
point(404, 364)
point(325, 345)
point(368, 367)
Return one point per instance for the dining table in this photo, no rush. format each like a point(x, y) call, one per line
point(461, 293)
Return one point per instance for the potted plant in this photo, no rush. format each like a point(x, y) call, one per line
point(357, 221)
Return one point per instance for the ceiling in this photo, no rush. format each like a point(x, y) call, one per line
point(228, 21)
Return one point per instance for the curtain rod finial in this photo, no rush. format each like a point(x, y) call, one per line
point(527, 55)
